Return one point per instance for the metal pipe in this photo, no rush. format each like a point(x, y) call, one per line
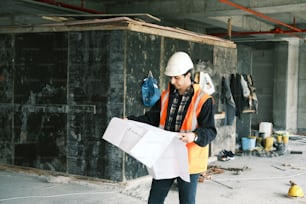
point(69, 6)
point(260, 15)
point(274, 31)
point(229, 28)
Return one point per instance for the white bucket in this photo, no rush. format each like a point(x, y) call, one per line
point(266, 128)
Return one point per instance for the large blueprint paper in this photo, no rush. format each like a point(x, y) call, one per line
point(164, 155)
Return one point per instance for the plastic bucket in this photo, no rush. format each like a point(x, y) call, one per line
point(248, 143)
point(279, 138)
point(285, 139)
point(269, 143)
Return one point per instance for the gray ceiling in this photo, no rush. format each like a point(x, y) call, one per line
point(248, 20)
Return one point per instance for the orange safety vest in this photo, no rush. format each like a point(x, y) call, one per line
point(197, 155)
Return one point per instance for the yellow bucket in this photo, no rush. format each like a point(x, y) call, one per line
point(285, 139)
point(269, 143)
point(279, 138)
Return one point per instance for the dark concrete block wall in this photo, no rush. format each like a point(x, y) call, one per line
point(88, 84)
point(54, 101)
point(6, 99)
point(32, 91)
point(40, 94)
point(59, 91)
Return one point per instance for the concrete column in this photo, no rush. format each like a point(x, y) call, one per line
point(292, 85)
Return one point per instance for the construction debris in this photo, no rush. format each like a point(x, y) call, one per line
point(230, 168)
point(210, 171)
point(213, 169)
point(293, 167)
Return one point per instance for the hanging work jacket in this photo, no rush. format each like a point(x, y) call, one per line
point(197, 155)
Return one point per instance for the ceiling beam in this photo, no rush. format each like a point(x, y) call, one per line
point(261, 15)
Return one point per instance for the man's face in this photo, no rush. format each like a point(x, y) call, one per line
point(181, 81)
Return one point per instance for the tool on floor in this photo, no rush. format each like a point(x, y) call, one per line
point(278, 168)
point(296, 152)
point(218, 182)
point(295, 190)
point(231, 168)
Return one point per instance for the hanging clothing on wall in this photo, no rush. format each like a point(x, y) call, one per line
point(205, 82)
point(253, 96)
point(228, 100)
point(237, 92)
point(247, 101)
point(245, 87)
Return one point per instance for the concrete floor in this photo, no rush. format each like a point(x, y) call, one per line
point(265, 181)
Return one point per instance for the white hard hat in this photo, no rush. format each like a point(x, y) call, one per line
point(178, 64)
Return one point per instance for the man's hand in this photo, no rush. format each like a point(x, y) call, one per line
point(187, 137)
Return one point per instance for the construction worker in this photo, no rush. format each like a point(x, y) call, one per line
point(186, 109)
